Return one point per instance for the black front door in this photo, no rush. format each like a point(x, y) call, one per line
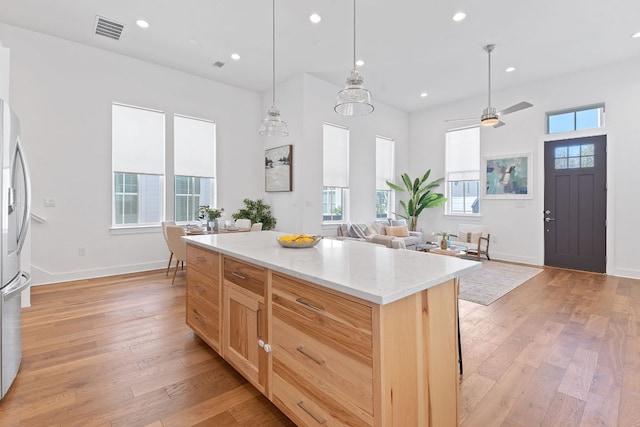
point(575, 203)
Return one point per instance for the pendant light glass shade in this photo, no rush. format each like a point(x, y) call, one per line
point(273, 125)
point(354, 99)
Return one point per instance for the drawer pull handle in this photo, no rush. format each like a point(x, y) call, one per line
point(308, 304)
point(315, 359)
point(311, 414)
point(239, 276)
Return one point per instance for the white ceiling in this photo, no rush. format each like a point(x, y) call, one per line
point(410, 46)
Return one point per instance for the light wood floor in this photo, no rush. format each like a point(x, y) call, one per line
point(562, 349)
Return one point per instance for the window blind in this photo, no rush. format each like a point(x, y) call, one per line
point(137, 138)
point(194, 147)
point(463, 154)
point(384, 162)
point(335, 156)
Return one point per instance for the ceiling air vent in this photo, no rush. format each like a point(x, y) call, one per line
point(108, 28)
point(218, 64)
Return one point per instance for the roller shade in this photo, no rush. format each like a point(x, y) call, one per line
point(137, 137)
point(384, 162)
point(335, 156)
point(194, 147)
point(463, 152)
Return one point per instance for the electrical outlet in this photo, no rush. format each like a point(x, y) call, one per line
point(82, 252)
point(49, 202)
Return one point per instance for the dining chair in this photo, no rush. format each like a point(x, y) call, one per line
point(164, 233)
point(243, 224)
point(256, 227)
point(177, 246)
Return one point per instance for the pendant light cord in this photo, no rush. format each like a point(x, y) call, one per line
point(273, 46)
point(354, 34)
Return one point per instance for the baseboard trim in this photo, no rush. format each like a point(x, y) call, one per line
point(40, 276)
point(625, 272)
point(513, 258)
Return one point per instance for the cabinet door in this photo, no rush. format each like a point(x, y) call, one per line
point(244, 326)
point(203, 294)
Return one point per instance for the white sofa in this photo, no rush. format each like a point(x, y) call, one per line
point(383, 233)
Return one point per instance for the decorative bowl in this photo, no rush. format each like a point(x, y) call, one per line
point(297, 243)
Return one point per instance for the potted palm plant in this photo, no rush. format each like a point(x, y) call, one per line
point(420, 196)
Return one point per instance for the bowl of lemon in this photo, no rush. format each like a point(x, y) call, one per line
point(298, 240)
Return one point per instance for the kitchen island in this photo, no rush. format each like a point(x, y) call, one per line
point(344, 333)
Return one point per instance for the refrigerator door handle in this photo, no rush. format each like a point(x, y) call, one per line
point(15, 286)
point(26, 216)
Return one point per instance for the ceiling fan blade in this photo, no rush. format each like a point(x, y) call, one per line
point(461, 120)
point(499, 124)
point(517, 107)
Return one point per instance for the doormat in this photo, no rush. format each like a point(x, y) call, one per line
point(493, 281)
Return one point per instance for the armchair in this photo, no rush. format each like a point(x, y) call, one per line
point(476, 238)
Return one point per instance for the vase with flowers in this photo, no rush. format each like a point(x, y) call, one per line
point(443, 238)
point(211, 215)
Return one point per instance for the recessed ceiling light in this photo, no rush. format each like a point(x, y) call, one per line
point(424, 95)
point(636, 35)
point(315, 18)
point(235, 56)
point(142, 23)
point(359, 62)
point(510, 69)
point(459, 16)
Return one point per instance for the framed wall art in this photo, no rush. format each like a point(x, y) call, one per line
point(508, 176)
point(278, 167)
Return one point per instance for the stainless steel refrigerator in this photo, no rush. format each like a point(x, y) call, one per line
point(14, 221)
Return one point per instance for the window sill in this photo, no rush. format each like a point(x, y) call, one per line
point(135, 229)
point(455, 215)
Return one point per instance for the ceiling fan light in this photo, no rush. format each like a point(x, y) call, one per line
point(273, 125)
point(489, 117)
point(354, 99)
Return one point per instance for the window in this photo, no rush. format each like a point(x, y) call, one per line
point(575, 156)
point(463, 171)
point(137, 165)
point(335, 172)
point(195, 165)
point(384, 171)
point(576, 119)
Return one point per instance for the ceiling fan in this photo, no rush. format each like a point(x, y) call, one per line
point(490, 116)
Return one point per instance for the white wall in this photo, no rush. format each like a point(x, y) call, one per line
point(62, 92)
point(306, 102)
point(516, 226)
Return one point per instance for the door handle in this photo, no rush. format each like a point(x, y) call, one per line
point(549, 219)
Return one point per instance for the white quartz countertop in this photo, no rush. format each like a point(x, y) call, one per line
point(371, 272)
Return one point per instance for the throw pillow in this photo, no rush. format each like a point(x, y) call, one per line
point(356, 231)
point(379, 227)
point(397, 231)
point(343, 230)
point(396, 222)
point(469, 237)
point(370, 230)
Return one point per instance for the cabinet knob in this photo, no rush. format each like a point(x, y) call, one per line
point(267, 348)
point(260, 343)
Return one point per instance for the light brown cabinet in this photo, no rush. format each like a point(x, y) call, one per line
point(244, 320)
point(203, 294)
point(324, 357)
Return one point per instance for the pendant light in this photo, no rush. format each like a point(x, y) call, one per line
point(354, 99)
point(273, 125)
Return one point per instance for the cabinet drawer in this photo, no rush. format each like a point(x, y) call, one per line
point(203, 260)
point(330, 373)
point(247, 276)
point(203, 286)
point(310, 410)
point(203, 318)
point(323, 315)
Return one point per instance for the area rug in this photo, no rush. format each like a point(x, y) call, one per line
point(493, 281)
